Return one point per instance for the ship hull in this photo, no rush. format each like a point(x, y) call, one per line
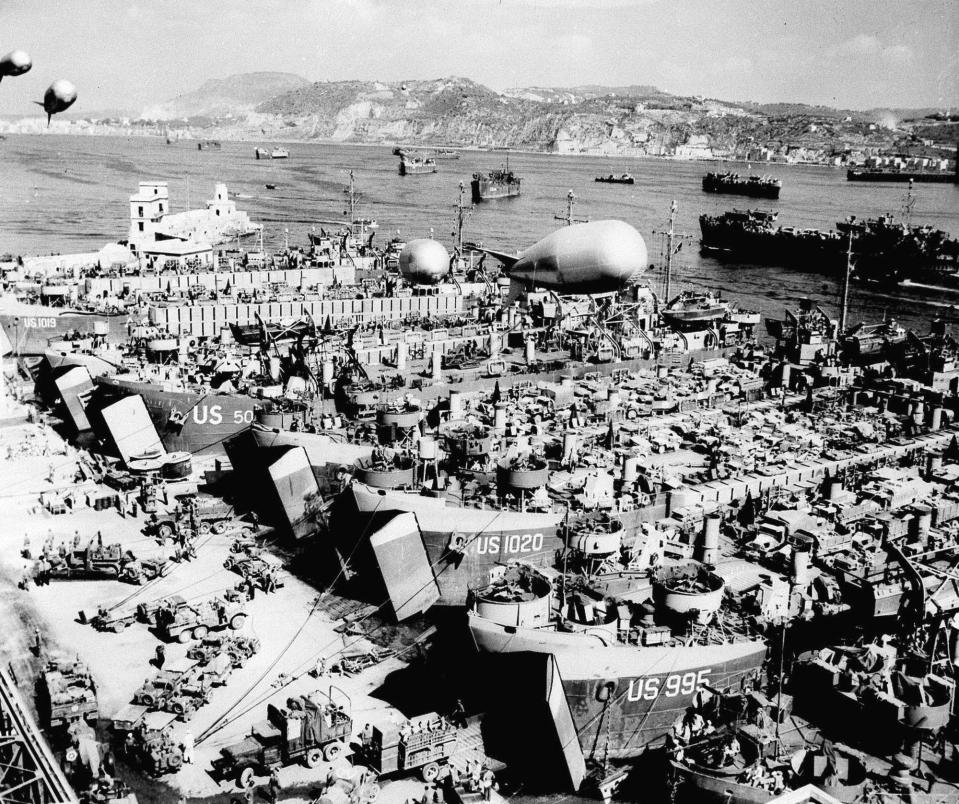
point(750, 189)
point(208, 418)
point(484, 190)
point(491, 537)
point(650, 687)
point(901, 176)
point(30, 332)
point(416, 170)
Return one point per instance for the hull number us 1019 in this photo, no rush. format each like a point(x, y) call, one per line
point(648, 689)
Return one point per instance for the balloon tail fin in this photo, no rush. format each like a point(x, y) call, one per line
point(49, 118)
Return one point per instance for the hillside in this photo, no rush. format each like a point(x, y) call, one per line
point(636, 120)
point(222, 97)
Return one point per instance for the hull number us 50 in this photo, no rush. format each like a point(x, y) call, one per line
point(647, 689)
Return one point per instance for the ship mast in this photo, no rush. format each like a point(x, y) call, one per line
point(352, 191)
point(908, 202)
point(844, 300)
point(568, 217)
point(462, 213)
point(671, 237)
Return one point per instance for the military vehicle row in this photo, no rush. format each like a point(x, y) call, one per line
point(100, 562)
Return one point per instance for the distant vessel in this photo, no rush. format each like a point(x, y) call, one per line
point(883, 249)
point(625, 178)
point(905, 174)
point(753, 186)
point(693, 307)
point(414, 165)
point(208, 145)
point(447, 154)
point(276, 153)
point(502, 183)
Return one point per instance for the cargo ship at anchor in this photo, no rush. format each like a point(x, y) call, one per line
point(733, 183)
point(626, 674)
point(416, 165)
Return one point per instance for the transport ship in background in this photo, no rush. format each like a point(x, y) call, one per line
point(500, 183)
point(733, 183)
point(414, 165)
point(883, 248)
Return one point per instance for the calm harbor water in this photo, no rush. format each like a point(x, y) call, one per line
point(65, 194)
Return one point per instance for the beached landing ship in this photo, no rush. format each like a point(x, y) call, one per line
point(629, 668)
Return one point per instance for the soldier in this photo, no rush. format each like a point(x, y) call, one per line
point(25, 552)
point(188, 747)
point(37, 641)
point(274, 785)
point(160, 659)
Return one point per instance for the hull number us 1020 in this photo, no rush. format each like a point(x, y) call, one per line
point(512, 543)
point(647, 689)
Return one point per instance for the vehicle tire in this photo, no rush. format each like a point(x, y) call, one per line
point(183, 637)
point(203, 528)
point(177, 708)
point(332, 750)
point(174, 762)
point(200, 631)
point(430, 771)
point(229, 563)
point(237, 621)
point(147, 699)
point(165, 531)
point(313, 757)
point(118, 627)
point(369, 792)
point(246, 777)
point(219, 527)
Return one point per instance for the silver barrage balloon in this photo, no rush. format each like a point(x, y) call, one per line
point(424, 262)
point(595, 257)
point(59, 97)
point(16, 62)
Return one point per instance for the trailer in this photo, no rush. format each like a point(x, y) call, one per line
point(88, 563)
point(309, 729)
point(156, 692)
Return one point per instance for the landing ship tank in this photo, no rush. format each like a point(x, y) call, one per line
point(424, 262)
point(596, 257)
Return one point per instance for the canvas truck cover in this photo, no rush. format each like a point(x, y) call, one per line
point(405, 566)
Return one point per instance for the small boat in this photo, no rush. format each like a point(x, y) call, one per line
point(447, 154)
point(271, 187)
point(624, 178)
point(279, 153)
point(208, 145)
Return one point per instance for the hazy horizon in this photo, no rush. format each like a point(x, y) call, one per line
point(858, 54)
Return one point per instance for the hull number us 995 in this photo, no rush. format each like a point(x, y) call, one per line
point(647, 689)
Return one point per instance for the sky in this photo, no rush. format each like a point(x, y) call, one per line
point(129, 54)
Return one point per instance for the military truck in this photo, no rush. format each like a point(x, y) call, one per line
point(422, 744)
point(67, 694)
point(196, 620)
point(203, 513)
point(309, 729)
